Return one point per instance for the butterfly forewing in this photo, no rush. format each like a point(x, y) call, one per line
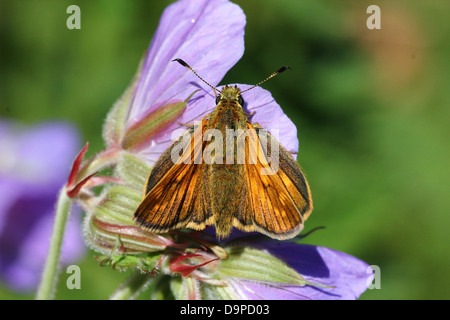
point(173, 195)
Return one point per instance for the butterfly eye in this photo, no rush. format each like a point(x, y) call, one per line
point(241, 101)
point(218, 99)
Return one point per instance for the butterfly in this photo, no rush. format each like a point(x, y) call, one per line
point(223, 172)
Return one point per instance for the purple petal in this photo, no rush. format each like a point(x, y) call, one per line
point(348, 275)
point(35, 165)
point(207, 34)
point(23, 253)
point(268, 114)
point(8, 197)
point(40, 153)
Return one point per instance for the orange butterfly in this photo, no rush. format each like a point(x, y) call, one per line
point(205, 179)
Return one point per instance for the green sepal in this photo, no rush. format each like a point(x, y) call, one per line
point(259, 265)
point(118, 205)
point(133, 171)
point(113, 217)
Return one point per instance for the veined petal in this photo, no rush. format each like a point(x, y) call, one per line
point(268, 113)
point(207, 34)
point(346, 276)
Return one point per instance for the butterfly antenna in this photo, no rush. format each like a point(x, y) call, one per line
point(184, 64)
point(282, 69)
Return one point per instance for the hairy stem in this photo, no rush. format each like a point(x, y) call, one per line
point(50, 275)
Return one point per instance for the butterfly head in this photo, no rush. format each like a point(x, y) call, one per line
point(230, 93)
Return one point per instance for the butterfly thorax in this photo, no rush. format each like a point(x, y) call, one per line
point(225, 174)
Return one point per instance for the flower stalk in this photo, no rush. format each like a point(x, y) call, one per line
point(49, 276)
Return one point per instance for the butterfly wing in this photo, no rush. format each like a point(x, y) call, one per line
point(276, 200)
point(290, 174)
point(174, 196)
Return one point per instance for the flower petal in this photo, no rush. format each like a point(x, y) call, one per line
point(23, 270)
point(348, 276)
point(27, 227)
point(40, 153)
point(34, 164)
point(197, 32)
point(270, 116)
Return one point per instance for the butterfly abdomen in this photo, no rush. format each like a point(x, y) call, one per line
point(225, 188)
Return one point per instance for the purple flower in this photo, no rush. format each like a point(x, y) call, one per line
point(330, 274)
point(208, 35)
point(34, 165)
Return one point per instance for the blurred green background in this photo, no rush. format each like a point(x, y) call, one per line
point(371, 107)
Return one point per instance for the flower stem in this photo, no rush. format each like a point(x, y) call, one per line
point(132, 287)
point(49, 276)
